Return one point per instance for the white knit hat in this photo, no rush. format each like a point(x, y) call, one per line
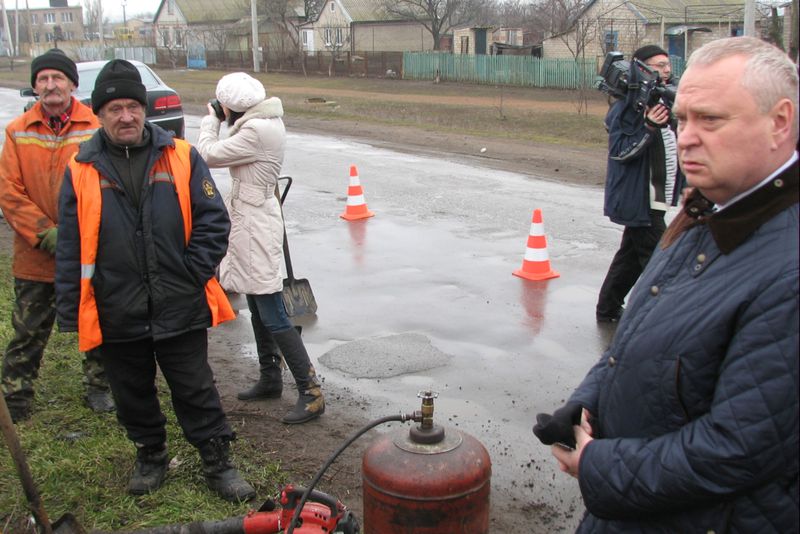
point(239, 92)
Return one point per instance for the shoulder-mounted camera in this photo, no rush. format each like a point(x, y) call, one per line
point(634, 81)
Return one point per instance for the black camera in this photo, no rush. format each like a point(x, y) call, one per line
point(634, 81)
point(217, 109)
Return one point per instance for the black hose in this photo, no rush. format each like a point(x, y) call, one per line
point(399, 417)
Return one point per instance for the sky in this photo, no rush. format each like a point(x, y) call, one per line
point(112, 9)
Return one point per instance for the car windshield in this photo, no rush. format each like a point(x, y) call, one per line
point(89, 76)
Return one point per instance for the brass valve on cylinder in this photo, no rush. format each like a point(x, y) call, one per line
point(427, 431)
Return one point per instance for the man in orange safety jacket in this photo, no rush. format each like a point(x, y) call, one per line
point(143, 228)
point(38, 145)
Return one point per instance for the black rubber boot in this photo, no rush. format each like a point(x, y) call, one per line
point(310, 403)
point(270, 381)
point(221, 476)
point(149, 470)
point(19, 406)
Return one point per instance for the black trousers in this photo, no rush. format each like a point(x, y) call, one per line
point(638, 244)
point(183, 360)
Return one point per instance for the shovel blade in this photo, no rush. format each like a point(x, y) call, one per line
point(298, 298)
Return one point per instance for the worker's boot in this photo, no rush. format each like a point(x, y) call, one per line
point(310, 402)
point(20, 407)
point(220, 475)
point(98, 393)
point(150, 468)
point(270, 380)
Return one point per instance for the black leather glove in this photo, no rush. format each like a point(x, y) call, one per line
point(557, 428)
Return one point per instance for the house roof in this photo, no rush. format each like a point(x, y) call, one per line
point(364, 10)
point(199, 11)
point(367, 11)
point(673, 11)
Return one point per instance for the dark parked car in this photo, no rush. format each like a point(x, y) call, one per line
point(163, 103)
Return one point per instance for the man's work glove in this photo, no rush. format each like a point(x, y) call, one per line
point(557, 428)
point(48, 239)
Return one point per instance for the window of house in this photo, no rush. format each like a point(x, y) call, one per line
point(610, 40)
point(178, 38)
point(328, 36)
point(165, 37)
point(170, 7)
point(69, 36)
point(512, 37)
point(49, 18)
point(333, 7)
point(66, 17)
point(37, 37)
point(48, 37)
point(35, 19)
point(464, 44)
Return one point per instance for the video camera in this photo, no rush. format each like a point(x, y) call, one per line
point(638, 82)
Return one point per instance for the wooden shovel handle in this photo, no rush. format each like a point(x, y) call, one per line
point(14, 447)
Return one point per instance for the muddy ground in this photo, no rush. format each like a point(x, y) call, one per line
point(303, 449)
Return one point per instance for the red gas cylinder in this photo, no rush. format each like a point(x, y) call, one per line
point(429, 480)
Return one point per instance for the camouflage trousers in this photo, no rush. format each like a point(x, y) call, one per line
point(32, 319)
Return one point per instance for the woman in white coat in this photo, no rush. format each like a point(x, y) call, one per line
point(253, 150)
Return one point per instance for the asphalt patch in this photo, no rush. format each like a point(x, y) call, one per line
point(387, 356)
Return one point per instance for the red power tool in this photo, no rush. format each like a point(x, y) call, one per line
point(322, 513)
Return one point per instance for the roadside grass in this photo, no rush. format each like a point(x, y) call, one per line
point(80, 461)
point(501, 112)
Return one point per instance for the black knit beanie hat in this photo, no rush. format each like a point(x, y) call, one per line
point(56, 59)
point(648, 51)
point(118, 79)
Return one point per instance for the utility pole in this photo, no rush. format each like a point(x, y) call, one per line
point(7, 33)
point(30, 28)
point(16, 27)
point(254, 30)
point(100, 26)
point(750, 18)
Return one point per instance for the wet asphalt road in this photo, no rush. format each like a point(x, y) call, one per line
point(421, 295)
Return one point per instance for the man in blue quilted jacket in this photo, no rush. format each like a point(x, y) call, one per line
point(689, 422)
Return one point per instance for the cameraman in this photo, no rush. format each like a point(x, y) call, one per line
point(642, 179)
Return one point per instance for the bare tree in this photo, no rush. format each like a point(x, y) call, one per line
point(166, 40)
point(312, 8)
point(91, 18)
point(287, 20)
point(335, 37)
point(576, 33)
point(437, 16)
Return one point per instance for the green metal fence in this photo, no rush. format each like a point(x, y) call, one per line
point(506, 70)
point(678, 65)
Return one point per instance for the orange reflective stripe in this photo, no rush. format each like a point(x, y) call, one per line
point(180, 169)
point(87, 184)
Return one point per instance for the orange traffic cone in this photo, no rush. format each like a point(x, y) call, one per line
point(356, 206)
point(536, 264)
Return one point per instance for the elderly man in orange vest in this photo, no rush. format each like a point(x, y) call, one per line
point(37, 147)
point(143, 228)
